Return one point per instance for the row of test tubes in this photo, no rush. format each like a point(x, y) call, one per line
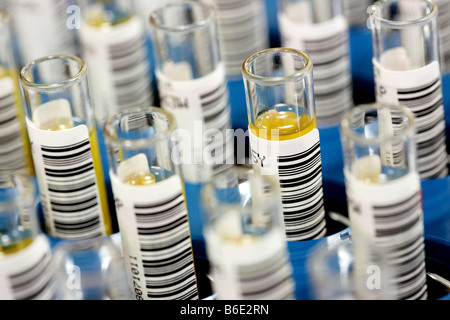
point(156, 154)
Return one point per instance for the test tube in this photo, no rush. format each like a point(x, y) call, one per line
point(62, 132)
point(25, 256)
point(192, 85)
point(384, 192)
point(319, 28)
point(244, 237)
point(150, 204)
point(113, 41)
point(284, 138)
point(407, 72)
point(91, 269)
point(42, 28)
point(242, 30)
point(15, 151)
point(444, 34)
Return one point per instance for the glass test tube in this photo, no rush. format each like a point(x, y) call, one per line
point(242, 31)
point(384, 191)
point(92, 269)
point(407, 72)
point(62, 132)
point(244, 237)
point(15, 151)
point(41, 28)
point(284, 138)
point(444, 33)
point(318, 28)
point(113, 41)
point(25, 255)
point(192, 85)
point(150, 205)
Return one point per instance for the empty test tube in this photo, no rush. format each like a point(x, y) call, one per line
point(384, 193)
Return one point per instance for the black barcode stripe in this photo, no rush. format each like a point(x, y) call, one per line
point(267, 279)
point(399, 233)
point(72, 190)
point(300, 177)
point(164, 242)
point(34, 281)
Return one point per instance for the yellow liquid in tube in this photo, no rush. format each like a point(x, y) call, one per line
point(21, 119)
point(140, 179)
point(286, 125)
point(63, 124)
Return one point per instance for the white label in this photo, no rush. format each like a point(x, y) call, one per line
point(327, 44)
point(67, 182)
point(27, 274)
point(297, 164)
point(420, 90)
point(156, 239)
point(390, 215)
point(41, 28)
point(118, 66)
point(201, 110)
point(257, 270)
point(12, 154)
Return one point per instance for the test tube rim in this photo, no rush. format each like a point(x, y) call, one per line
point(166, 134)
point(349, 134)
point(274, 81)
point(210, 17)
point(58, 85)
point(402, 24)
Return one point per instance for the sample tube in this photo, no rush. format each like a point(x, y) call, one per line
point(150, 205)
point(284, 138)
point(192, 85)
point(407, 72)
point(384, 192)
point(318, 28)
point(62, 132)
point(42, 28)
point(444, 34)
point(113, 41)
point(244, 237)
point(242, 31)
point(15, 151)
point(25, 256)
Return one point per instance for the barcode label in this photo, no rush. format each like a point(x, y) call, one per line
point(420, 90)
point(119, 67)
point(67, 182)
point(391, 216)
point(242, 31)
point(41, 28)
point(27, 274)
point(327, 44)
point(12, 146)
point(258, 269)
point(201, 108)
point(156, 239)
point(298, 167)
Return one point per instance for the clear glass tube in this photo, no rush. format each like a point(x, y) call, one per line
point(407, 71)
point(192, 85)
point(91, 269)
point(150, 204)
point(15, 151)
point(41, 28)
point(384, 191)
point(25, 255)
point(62, 131)
point(242, 31)
point(319, 28)
point(444, 33)
point(244, 237)
point(284, 138)
point(113, 41)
